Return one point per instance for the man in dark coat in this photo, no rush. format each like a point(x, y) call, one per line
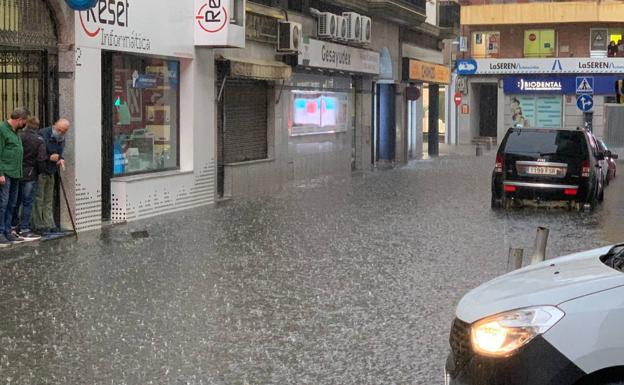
point(35, 163)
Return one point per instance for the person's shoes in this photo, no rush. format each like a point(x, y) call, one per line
point(14, 238)
point(29, 235)
point(4, 242)
point(54, 230)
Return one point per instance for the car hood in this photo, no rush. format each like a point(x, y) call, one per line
point(549, 283)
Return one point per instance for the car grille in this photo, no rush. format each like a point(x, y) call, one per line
point(460, 343)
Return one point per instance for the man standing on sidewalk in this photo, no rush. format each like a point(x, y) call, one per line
point(35, 162)
point(54, 138)
point(11, 153)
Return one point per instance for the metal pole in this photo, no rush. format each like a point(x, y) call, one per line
point(541, 239)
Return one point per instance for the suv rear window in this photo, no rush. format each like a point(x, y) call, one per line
point(546, 142)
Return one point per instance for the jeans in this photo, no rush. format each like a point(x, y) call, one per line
point(8, 200)
point(25, 200)
point(43, 214)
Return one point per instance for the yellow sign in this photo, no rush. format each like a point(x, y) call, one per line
point(427, 72)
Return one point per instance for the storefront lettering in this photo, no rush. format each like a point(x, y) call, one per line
point(108, 21)
point(539, 85)
point(110, 12)
point(504, 66)
point(337, 58)
point(595, 65)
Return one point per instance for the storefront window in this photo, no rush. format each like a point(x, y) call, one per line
point(536, 111)
point(485, 44)
point(539, 43)
point(318, 112)
point(145, 124)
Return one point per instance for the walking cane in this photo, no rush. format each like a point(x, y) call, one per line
point(71, 217)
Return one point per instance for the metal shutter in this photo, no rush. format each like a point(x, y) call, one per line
point(245, 121)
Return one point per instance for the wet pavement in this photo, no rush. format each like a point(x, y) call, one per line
point(333, 282)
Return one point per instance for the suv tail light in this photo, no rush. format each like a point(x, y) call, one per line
point(500, 163)
point(585, 169)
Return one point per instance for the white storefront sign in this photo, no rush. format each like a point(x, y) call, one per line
point(139, 26)
point(219, 23)
point(322, 54)
point(540, 66)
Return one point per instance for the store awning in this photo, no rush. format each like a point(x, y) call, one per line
point(257, 69)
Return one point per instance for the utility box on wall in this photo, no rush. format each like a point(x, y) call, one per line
point(219, 23)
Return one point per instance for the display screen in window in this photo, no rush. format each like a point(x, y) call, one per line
point(317, 113)
point(145, 114)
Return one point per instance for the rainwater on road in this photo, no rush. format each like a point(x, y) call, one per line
point(335, 282)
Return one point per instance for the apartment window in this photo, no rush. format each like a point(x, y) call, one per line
point(485, 44)
point(539, 43)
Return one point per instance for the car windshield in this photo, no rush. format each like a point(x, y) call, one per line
point(546, 142)
point(614, 258)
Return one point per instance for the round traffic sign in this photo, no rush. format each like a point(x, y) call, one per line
point(458, 98)
point(585, 103)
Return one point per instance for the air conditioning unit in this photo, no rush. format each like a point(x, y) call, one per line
point(367, 30)
point(343, 28)
point(354, 25)
point(289, 36)
point(327, 25)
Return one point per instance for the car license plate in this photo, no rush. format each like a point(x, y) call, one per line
point(541, 170)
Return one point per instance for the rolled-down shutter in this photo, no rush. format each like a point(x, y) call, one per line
point(245, 121)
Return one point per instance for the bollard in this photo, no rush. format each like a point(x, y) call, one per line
point(541, 239)
point(515, 258)
point(479, 151)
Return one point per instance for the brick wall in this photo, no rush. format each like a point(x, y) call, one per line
point(574, 37)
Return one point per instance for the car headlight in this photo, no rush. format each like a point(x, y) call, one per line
point(501, 335)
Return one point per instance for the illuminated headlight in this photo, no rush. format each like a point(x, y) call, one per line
point(501, 335)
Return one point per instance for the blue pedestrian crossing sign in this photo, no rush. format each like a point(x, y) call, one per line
point(585, 103)
point(585, 85)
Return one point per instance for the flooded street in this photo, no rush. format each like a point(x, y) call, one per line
point(334, 282)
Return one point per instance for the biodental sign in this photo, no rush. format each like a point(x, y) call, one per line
point(110, 22)
point(140, 26)
point(322, 54)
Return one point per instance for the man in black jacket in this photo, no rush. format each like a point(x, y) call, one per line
point(35, 162)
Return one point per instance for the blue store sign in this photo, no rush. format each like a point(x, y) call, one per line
point(81, 5)
point(562, 84)
point(466, 67)
point(585, 103)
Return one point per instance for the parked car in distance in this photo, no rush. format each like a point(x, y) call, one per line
point(610, 160)
point(547, 164)
point(557, 322)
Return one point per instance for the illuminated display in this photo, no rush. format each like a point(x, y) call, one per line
point(314, 113)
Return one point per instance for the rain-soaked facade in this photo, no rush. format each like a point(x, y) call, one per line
point(162, 123)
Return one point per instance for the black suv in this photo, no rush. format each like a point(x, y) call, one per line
point(547, 164)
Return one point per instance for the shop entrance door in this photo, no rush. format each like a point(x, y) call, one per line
point(488, 110)
point(386, 122)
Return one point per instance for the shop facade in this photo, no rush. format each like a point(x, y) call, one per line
point(143, 142)
point(500, 93)
point(289, 118)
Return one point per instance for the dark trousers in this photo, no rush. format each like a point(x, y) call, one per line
point(8, 200)
point(25, 200)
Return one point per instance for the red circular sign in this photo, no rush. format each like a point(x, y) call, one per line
point(458, 98)
point(212, 19)
point(532, 37)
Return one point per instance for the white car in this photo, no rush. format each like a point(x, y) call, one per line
point(560, 322)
